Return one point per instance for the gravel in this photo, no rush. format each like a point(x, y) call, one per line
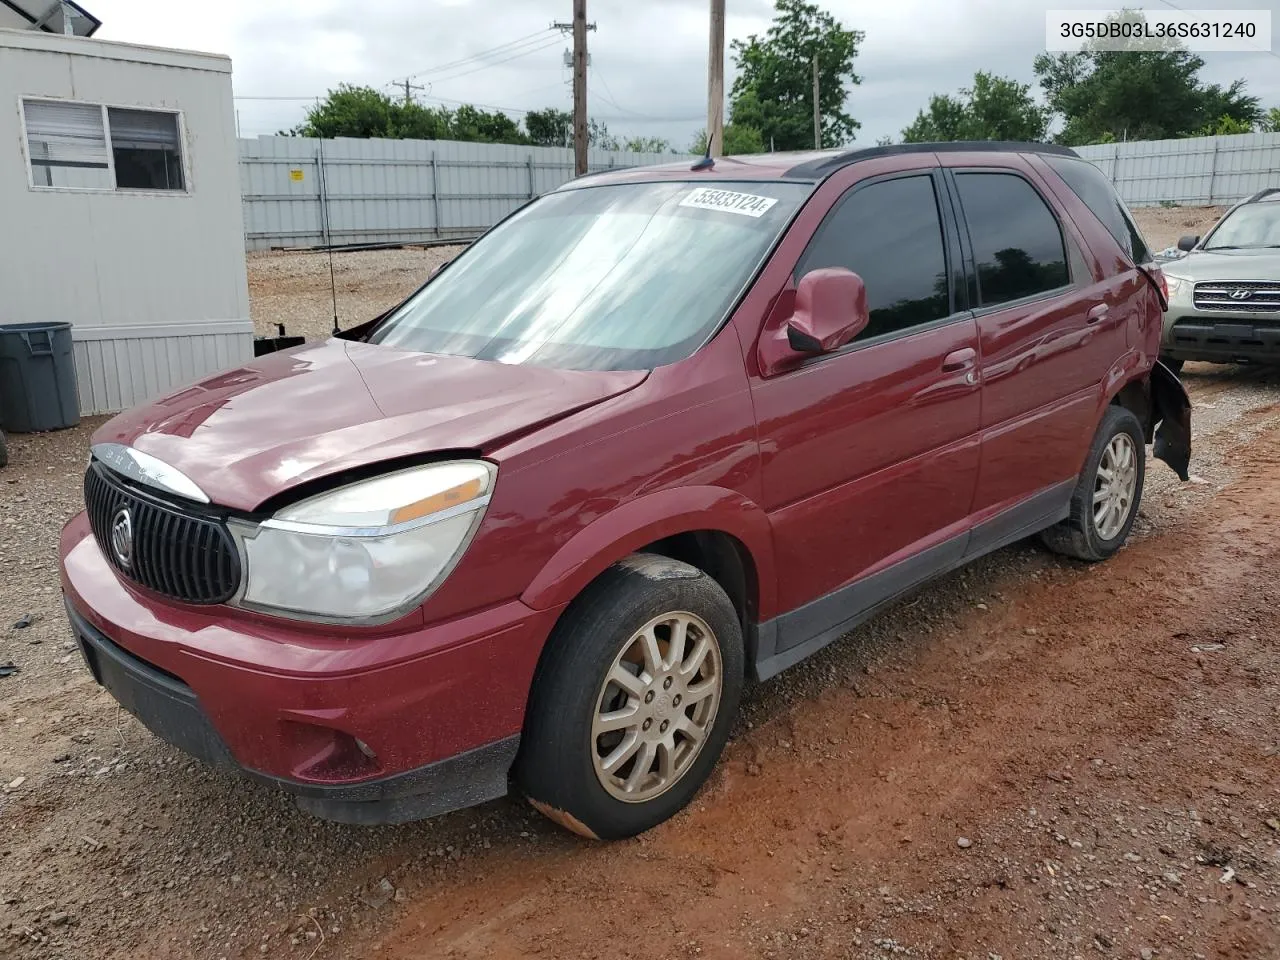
point(293, 288)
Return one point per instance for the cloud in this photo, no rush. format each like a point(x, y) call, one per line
point(648, 73)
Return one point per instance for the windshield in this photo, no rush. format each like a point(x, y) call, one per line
point(621, 277)
point(1253, 225)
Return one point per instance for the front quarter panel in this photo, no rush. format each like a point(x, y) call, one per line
point(642, 521)
point(676, 454)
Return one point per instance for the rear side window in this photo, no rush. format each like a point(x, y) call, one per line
point(1097, 193)
point(890, 234)
point(1017, 241)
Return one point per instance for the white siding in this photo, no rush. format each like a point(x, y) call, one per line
point(112, 262)
point(117, 372)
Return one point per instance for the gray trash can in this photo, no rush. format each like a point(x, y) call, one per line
point(37, 377)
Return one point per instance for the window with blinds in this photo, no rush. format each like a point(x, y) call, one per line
point(86, 146)
point(67, 145)
point(144, 146)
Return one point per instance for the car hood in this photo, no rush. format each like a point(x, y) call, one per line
point(290, 417)
point(1226, 265)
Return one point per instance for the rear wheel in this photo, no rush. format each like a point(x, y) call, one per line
point(634, 699)
point(4, 450)
point(1108, 491)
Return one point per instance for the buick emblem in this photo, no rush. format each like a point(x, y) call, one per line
point(122, 537)
point(1241, 293)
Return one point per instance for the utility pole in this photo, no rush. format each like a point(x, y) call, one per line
point(715, 81)
point(817, 114)
point(408, 89)
point(579, 87)
point(579, 26)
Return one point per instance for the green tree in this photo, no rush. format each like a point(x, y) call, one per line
point(473, 124)
point(1270, 123)
point(1150, 92)
point(363, 112)
point(646, 145)
point(413, 121)
point(598, 136)
point(549, 127)
point(738, 139)
point(349, 111)
point(1225, 126)
point(773, 92)
point(994, 108)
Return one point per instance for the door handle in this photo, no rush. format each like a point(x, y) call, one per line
point(959, 360)
point(1097, 313)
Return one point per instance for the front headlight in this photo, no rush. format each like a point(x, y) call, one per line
point(1176, 285)
point(368, 550)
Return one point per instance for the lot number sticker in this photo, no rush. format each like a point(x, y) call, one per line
point(726, 201)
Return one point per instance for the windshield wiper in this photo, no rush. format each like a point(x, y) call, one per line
point(1250, 246)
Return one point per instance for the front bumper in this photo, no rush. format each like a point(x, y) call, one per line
point(1220, 336)
point(362, 729)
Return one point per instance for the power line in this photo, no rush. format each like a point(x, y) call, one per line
point(494, 63)
point(608, 98)
point(483, 54)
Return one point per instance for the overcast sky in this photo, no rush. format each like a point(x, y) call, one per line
point(648, 73)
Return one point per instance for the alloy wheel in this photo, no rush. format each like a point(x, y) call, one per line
point(656, 707)
point(1114, 486)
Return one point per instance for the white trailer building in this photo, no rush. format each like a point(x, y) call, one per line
point(120, 206)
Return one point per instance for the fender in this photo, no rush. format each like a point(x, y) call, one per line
point(1165, 407)
point(1126, 369)
point(1172, 413)
point(622, 531)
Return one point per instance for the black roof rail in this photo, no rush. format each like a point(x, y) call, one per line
point(1263, 193)
point(826, 166)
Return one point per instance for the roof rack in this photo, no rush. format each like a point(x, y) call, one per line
point(827, 165)
point(1263, 194)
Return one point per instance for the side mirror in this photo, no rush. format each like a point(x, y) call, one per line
point(438, 267)
point(1188, 242)
point(830, 310)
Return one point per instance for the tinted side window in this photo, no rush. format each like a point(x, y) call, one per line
point(1017, 242)
point(890, 234)
point(1097, 193)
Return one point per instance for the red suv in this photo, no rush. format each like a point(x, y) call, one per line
point(658, 431)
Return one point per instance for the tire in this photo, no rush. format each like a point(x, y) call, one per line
point(1175, 366)
point(1083, 535)
point(563, 751)
point(4, 450)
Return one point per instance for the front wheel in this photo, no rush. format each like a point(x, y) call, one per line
point(1174, 366)
point(1107, 493)
point(633, 700)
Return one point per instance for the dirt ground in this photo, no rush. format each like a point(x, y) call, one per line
point(1030, 758)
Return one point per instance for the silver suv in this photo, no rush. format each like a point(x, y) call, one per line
point(1224, 295)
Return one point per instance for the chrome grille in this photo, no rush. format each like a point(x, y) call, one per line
point(172, 549)
point(1242, 296)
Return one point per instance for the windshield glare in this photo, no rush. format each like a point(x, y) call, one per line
point(619, 277)
point(1253, 225)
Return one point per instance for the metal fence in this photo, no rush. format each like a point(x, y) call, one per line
point(1199, 170)
point(300, 192)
